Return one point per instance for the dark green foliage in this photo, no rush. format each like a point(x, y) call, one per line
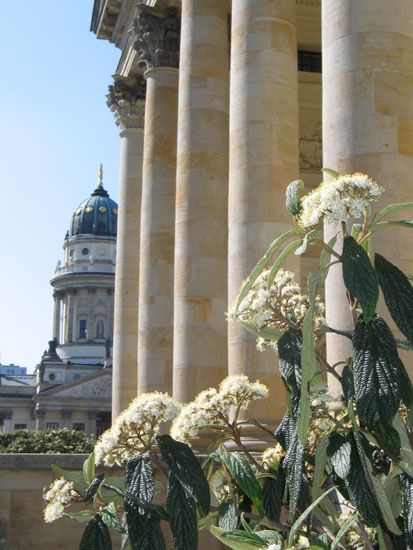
point(227, 514)
point(243, 475)
point(398, 294)
point(96, 536)
point(273, 493)
point(182, 511)
point(347, 381)
point(50, 441)
point(407, 503)
point(289, 357)
point(186, 468)
point(94, 486)
point(360, 277)
point(151, 536)
point(378, 374)
point(339, 450)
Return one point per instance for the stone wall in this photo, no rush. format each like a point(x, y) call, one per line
point(22, 478)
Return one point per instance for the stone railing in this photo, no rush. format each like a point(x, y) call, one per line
point(90, 268)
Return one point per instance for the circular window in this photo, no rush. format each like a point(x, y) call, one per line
point(52, 376)
point(102, 209)
point(85, 251)
point(89, 209)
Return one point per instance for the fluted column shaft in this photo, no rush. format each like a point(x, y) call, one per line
point(126, 100)
point(56, 316)
point(263, 160)
point(368, 121)
point(155, 343)
point(200, 332)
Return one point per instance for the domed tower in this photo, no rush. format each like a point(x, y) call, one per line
point(84, 284)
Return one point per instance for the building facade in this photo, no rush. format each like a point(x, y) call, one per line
point(71, 386)
point(220, 105)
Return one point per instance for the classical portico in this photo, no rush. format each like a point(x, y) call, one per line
point(233, 113)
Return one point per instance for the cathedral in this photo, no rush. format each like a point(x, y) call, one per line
point(71, 386)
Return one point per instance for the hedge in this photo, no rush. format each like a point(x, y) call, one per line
point(49, 442)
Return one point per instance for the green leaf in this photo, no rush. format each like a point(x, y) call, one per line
point(110, 518)
point(151, 537)
point(82, 517)
point(398, 294)
point(258, 269)
point(402, 223)
point(325, 259)
point(308, 237)
point(237, 540)
point(280, 260)
point(377, 369)
point(347, 381)
point(390, 209)
point(407, 502)
point(292, 198)
point(393, 492)
point(268, 333)
point(94, 486)
point(305, 514)
point(293, 462)
point(270, 537)
point(340, 454)
point(273, 493)
point(139, 480)
point(89, 468)
point(244, 476)
point(320, 461)
point(319, 543)
point(347, 525)
point(360, 277)
point(333, 173)
point(309, 362)
point(96, 536)
point(227, 511)
point(186, 467)
point(181, 507)
point(289, 360)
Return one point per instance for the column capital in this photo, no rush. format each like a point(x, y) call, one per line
point(126, 99)
point(156, 37)
point(67, 413)
point(6, 414)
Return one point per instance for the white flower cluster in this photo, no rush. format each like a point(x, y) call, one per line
point(59, 495)
point(338, 200)
point(272, 456)
point(273, 546)
point(275, 307)
point(320, 398)
point(217, 407)
point(135, 429)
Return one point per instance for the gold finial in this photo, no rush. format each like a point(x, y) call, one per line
point(100, 176)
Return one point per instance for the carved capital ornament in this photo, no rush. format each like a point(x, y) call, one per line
point(126, 100)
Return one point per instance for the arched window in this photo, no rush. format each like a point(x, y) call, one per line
point(100, 329)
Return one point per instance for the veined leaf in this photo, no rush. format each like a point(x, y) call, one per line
point(377, 369)
point(319, 543)
point(96, 536)
point(182, 510)
point(305, 514)
point(94, 486)
point(139, 479)
point(270, 537)
point(273, 493)
point(333, 173)
point(293, 464)
point(89, 468)
point(407, 502)
point(289, 360)
point(84, 516)
point(398, 294)
point(320, 461)
point(360, 277)
point(255, 273)
point(392, 208)
point(279, 261)
point(347, 381)
point(343, 530)
point(110, 517)
point(292, 197)
point(244, 476)
point(227, 511)
point(185, 466)
point(237, 540)
point(152, 537)
point(309, 362)
point(340, 454)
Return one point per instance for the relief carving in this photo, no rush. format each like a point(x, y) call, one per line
point(311, 147)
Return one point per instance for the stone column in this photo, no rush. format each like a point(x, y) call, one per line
point(91, 291)
point(263, 160)
point(127, 100)
point(200, 331)
point(157, 44)
point(70, 307)
point(40, 415)
point(66, 416)
point(110, 320)
point(368, 121)
point(92, 415)
point(56, 315)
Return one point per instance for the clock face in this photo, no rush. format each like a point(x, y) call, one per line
point(85, 251)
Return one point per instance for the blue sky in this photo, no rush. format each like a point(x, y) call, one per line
point(55, 129)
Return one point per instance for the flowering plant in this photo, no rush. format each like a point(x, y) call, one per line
point(338, 472)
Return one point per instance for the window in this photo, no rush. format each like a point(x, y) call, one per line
point(85, 251)
point(100, 329)
point(20, 426)
point(79, 427)
point(309, 61)
point(82, 329)
point(52, 425)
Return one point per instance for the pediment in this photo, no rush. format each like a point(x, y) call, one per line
point(96, 386)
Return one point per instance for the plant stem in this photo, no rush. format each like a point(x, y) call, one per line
point(328, 367)
point(328, 249)
point(365, 535)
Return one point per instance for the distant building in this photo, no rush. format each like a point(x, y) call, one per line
point(12, 370)
point(71, 386)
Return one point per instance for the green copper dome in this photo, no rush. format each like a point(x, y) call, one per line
point(97, 215)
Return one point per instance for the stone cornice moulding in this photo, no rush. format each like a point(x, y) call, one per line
point(309, 3)
point(155, 37)
point(126, 99)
